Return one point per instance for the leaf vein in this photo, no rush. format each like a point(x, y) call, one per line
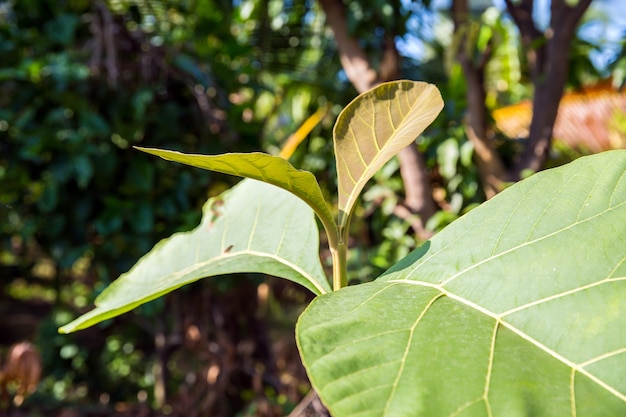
point(465, 406)
point(354, 342)
point(358, 393)
point(603, 356)
point(508, 221)
point(559, 295)
point(408, 348)
point(361, 370)
point(527, 243)
point(254, 226)
point(522, 334)
point(546, 207)
point(356, 307)
point(572, 392)
point(492, 351)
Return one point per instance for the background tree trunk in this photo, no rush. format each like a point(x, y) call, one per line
point(547, 58)
point(547, 55)
point(489, 163)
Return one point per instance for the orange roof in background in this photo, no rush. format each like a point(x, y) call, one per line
point(587, 120)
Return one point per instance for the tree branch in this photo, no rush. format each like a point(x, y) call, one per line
point(353, 58)
point(418, 194)
point(533, 40)
point(490, 165)
point(568, 16)
point(389, 68)
point(108, 36)
point(549, 81)
point(522, 15)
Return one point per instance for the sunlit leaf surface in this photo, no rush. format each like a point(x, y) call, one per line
point(516, 309)
point(256, 227)
point(376, 126)
point(263, 167)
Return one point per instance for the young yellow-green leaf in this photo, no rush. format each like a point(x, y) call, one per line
point(516, 309)
point(254, 227)
point(263, 167)
point(376, 126)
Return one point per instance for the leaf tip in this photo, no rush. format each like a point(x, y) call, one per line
point(143, 149)
point(67, 329)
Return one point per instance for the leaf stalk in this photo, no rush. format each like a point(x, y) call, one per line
point(340, 270)
point(340, 255)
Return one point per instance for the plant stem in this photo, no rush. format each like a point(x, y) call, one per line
point(340, 270)
point(339, 254)
point(337, 251)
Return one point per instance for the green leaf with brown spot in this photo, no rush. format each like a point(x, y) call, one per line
point(254, 227)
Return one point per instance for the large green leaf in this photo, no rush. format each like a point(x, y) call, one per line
point(516, 309)
point(256, 227)
point(263, 167)
point(374, 127)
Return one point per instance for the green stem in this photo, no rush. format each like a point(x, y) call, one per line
point(340, 256)
point(340, 270)
point(338, 243)
point(332, 233)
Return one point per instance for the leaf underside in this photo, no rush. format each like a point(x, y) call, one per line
point(374, 127)
point(256, 227)
point(259, 166)
point(516, 309)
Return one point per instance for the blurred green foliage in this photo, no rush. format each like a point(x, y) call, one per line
point(82, 82)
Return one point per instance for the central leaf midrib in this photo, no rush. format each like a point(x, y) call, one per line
point(274, 256)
